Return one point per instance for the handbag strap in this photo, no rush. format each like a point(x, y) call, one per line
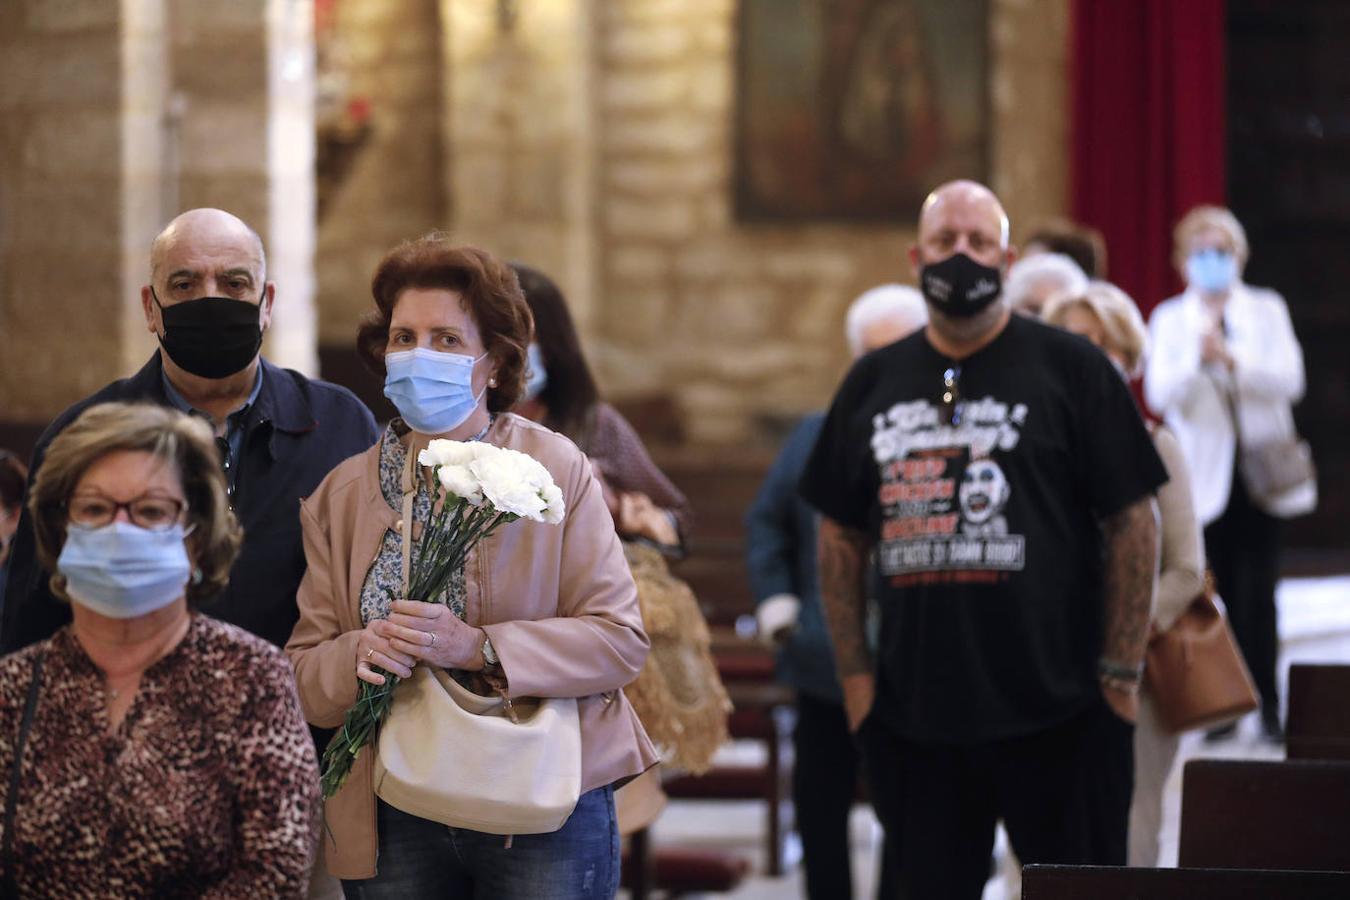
point(409, 486)
point(1230, 395)
point(1230, 391)
point(11, 805)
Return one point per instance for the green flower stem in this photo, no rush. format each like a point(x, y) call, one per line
point(445, 545)
point(450, 535)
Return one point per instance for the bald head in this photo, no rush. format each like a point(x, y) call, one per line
point(964, 202)
point(206, 253)
point(207, 232)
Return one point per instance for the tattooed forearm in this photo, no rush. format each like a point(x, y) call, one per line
point(843, 561)
point(1131, 572)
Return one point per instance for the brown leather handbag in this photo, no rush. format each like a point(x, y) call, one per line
point(1195, 671)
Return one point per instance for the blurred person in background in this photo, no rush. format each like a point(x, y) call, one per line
point(1035, 280)
point(13, 474)
point(165, 755)
point(781, 559)
point(1224, 372)
point(678, 696)
point(1084, 245)
point(1108, 318)
point(560, 392)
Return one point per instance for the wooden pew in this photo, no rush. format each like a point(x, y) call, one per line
point(675, 872)
point(1112, 883)
point(1266, 815)
point(1319, 712)
point(763, 710)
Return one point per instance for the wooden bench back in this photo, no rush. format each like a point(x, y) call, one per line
point(1319, 712)
point(1110, 883)
point(1266, 815)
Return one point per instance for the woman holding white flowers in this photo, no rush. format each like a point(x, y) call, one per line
point(538, 610)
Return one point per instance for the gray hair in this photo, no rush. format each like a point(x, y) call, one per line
point(1029, 273)
point(880, 302)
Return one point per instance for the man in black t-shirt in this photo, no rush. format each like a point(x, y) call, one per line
point(999, 474)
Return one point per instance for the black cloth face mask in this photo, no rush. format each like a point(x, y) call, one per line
point(211, 337)
point(959, 286)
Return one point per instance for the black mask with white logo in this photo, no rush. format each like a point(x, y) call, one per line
point(212, 337)
point(959, 286)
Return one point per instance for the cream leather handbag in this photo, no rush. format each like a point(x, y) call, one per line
point(454, 757)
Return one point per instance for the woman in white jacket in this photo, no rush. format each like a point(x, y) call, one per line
point(1221, 350)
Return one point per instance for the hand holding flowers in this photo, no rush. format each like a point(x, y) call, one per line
point(425, 632)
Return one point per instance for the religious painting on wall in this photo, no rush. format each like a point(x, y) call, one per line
point(855, 109)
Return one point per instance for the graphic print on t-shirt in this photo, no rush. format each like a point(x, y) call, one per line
point(943, 495)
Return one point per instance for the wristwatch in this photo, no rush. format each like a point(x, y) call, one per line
point(1117, 677)
point(489, 655)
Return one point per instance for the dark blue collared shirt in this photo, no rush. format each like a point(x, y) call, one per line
point(234, 422)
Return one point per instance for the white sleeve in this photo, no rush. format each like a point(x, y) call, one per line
point(1274, 368)
point(1173, 369)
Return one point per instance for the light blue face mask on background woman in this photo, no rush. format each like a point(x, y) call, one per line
point(122, 570)
point(536, 376)
point(1211, 270)
point(433, 391)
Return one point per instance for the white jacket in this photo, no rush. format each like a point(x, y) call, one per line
point(1194, 398)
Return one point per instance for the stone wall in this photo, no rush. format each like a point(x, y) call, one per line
point(743, 323)
point(117, 116)
point(393, 190)
point(589, 137)
point(592, 138)
point(522, 131)
point(81, 84)
point(240, 136)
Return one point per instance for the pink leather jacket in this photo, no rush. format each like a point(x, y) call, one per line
point(558, 602)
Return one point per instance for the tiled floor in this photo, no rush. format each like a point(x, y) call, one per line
point(1315, 627)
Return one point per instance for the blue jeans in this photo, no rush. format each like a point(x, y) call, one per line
point(424, 859)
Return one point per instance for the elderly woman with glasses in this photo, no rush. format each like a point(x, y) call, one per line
point(147, 750)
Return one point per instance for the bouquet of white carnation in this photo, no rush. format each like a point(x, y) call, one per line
point(476, 489)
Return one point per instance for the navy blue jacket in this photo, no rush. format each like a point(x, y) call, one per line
point(296, 431)
point(781, 556)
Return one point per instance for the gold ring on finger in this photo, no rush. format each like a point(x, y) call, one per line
point(370, 653)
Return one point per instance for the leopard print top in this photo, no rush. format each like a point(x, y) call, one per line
point(209, 788)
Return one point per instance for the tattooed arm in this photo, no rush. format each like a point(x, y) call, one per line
point(1131, 537)
point(843, 565)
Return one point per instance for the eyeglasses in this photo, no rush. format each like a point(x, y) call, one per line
point(951, 396)
point(150, 513)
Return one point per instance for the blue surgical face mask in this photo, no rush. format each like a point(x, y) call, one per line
point(122, 570)
point(433, 391)
point(1213, 271)
point(536, 376)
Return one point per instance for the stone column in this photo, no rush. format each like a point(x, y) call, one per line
point(522, 127)
point(242, 139)
point(388, 55)
point(81, 90)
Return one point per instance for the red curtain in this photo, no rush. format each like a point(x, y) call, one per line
point(1148, 135)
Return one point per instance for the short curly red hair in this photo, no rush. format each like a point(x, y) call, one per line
point(491, 295)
